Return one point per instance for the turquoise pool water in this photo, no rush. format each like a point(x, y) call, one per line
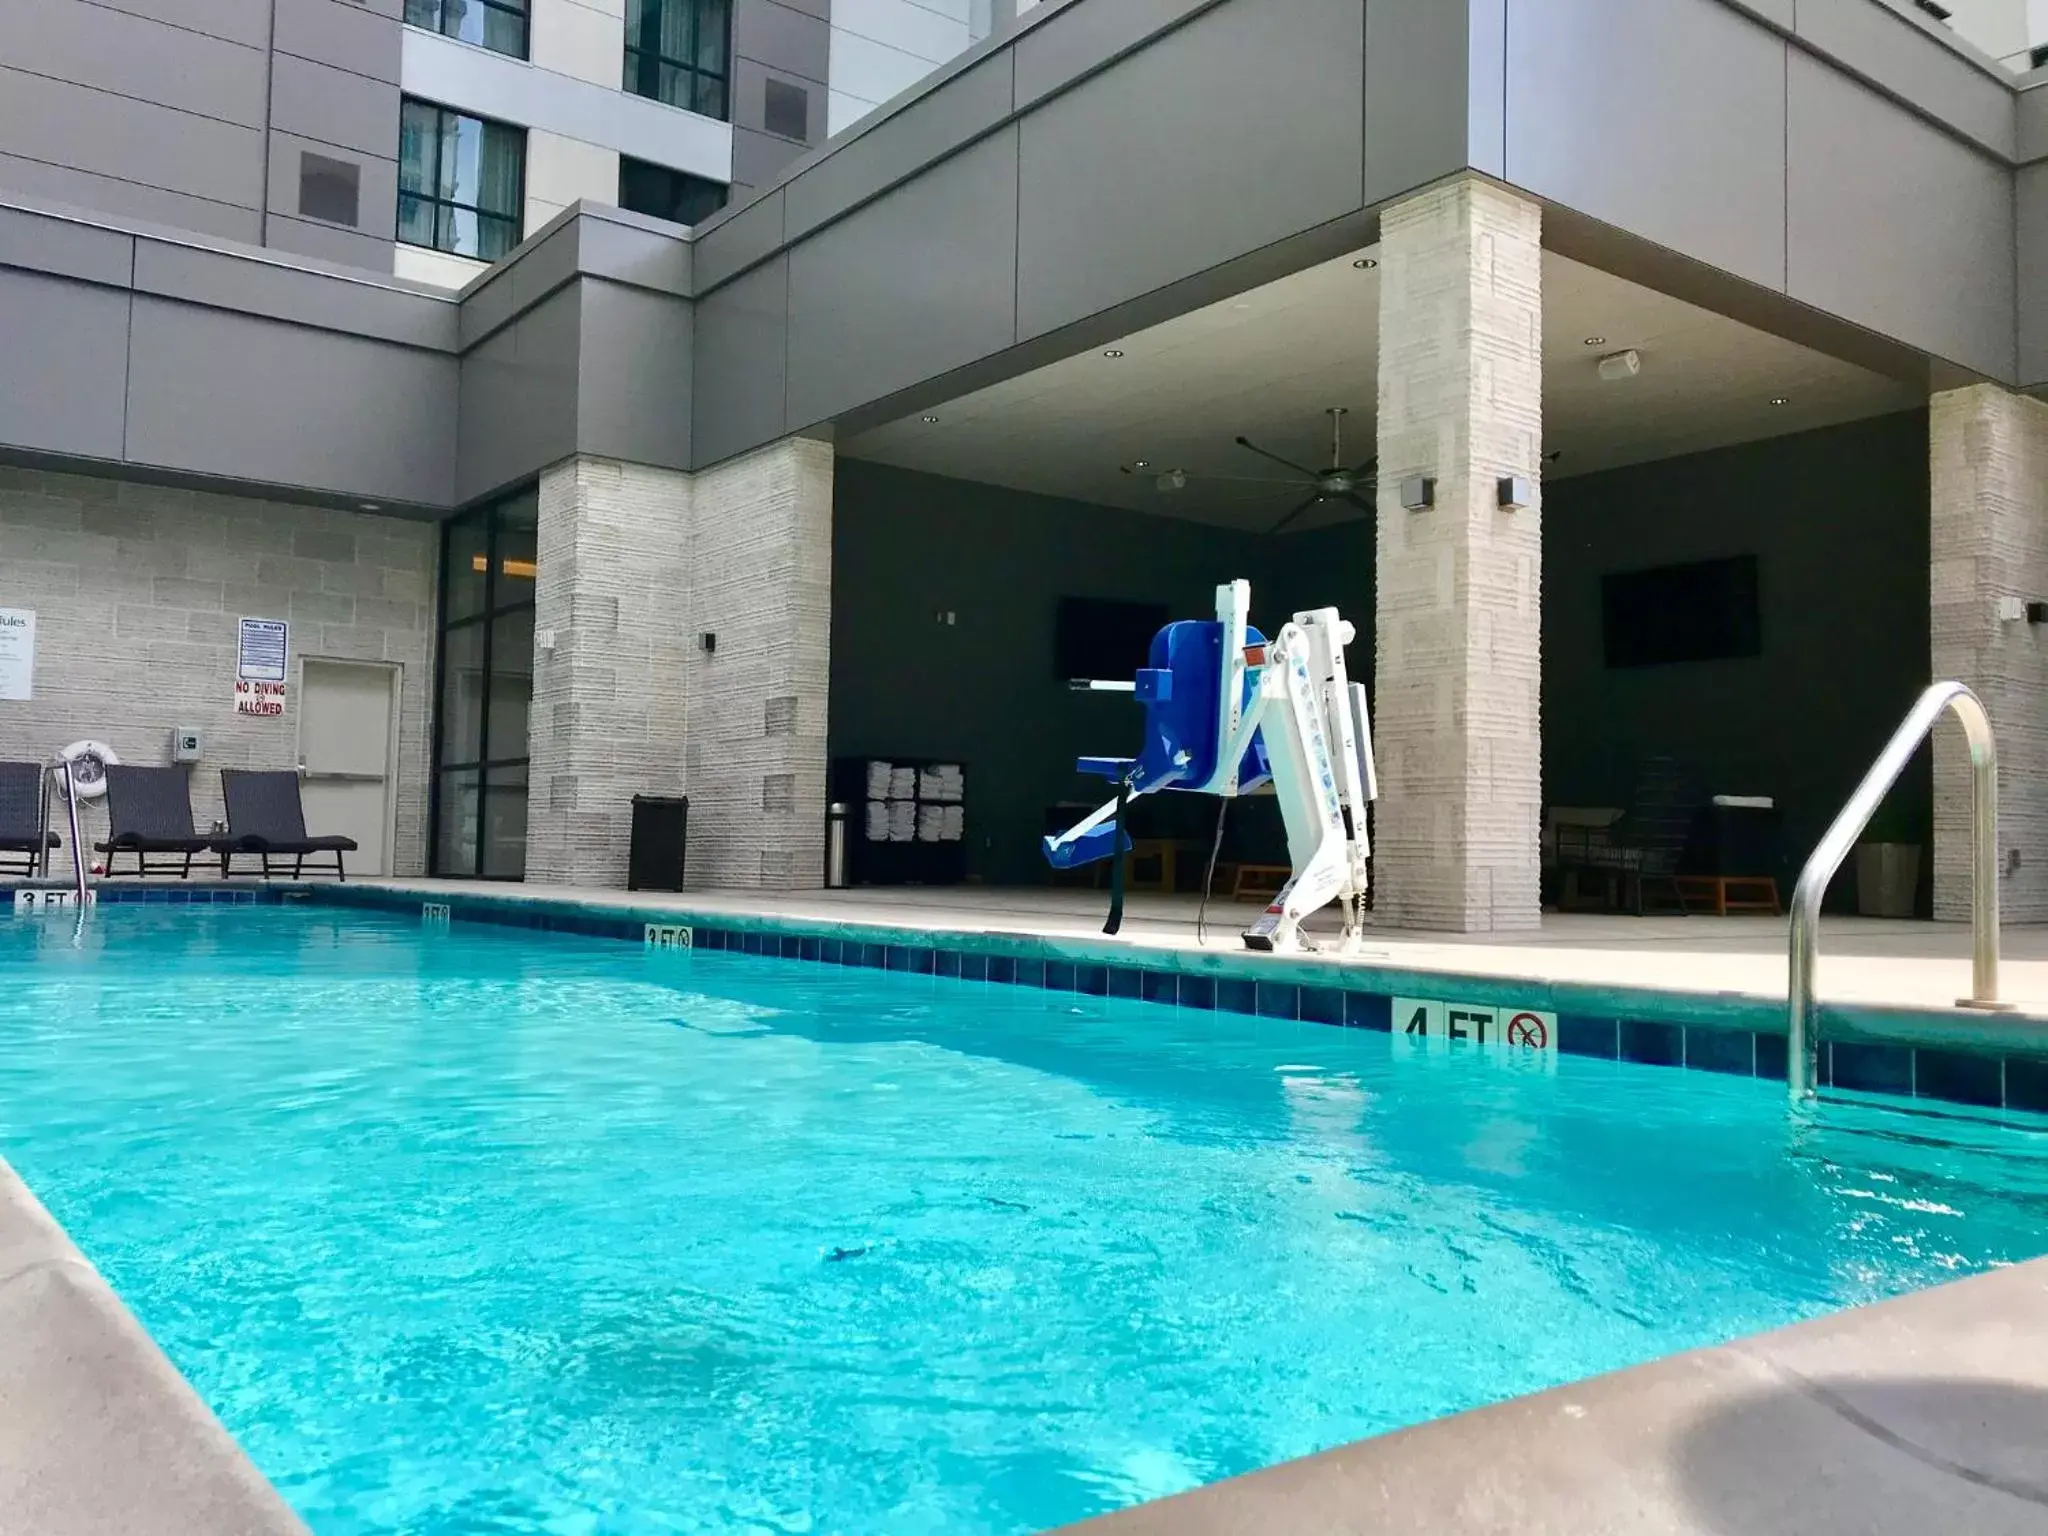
point(494, 1231)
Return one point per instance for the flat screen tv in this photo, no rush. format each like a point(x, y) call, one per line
point(1099, 637)
point(1704, 611)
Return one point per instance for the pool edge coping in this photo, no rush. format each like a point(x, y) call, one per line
point(104, 1432)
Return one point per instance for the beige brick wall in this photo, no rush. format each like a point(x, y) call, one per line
point(761, 557)
point(137, 591)
point(1459, 611)
point(636, 566)
point(1988, 538)
point(609, 711)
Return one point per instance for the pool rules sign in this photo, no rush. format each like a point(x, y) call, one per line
point(262, 657)
point(1510, 1031)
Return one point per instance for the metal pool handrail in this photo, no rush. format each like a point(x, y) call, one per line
point(1841, 837)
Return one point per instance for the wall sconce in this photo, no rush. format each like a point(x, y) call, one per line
point(1517, 493)
point(710, 643)
point(1418, 492)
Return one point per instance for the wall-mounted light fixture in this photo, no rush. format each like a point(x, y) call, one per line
point(1418, 492)
point(710, 643)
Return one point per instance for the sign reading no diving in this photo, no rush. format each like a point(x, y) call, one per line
point(1519, 1031)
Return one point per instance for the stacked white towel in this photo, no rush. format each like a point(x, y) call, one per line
point(902, 821)
point(878, 781)
point(931, 823)
point(952, 823)
point(903, 784)
point(878, 821)
point(943, 782)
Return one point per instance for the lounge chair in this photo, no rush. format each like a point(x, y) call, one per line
point(21, 818)
point(149, 811)
point(266, 817)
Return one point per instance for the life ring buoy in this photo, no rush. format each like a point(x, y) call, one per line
point(89, 762)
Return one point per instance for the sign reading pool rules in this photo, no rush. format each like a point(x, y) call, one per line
point(262, 653)
point(17, 654)
point(1526, 1033)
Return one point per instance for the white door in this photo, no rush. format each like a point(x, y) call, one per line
point(348, 712)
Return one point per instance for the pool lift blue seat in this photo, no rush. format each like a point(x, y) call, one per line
point(1229, 713)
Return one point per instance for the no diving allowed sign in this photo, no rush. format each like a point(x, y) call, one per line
point(1515, 1031)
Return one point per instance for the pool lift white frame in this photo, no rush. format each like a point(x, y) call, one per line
point(1318, 732)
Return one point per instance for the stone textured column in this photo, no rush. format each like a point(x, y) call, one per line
point(761, 578)
point(1988, 539)
point(637, 566)
point(1458, 615)
point(610, 710)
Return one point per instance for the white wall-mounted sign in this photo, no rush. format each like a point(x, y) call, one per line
point(1525, 1030)
point(17, 653)
point(263, 650)
point(262, 699)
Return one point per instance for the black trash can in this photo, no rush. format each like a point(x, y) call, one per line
point(660, 832)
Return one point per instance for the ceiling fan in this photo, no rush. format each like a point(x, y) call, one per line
point(1337, 483)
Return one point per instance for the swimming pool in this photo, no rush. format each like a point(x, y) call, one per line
point(488, 1230)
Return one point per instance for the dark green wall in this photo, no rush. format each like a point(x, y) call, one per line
point(906, 547)
point(1838, 520)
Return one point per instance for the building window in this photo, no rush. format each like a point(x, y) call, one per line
point(661, 193)
point(485, 688)
point(461, 181)
point(677, 51)
point(329, 189)
point(499, 25)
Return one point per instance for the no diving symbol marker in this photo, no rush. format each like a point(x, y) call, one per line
point(1529, 1032)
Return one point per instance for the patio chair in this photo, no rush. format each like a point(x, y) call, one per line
point(21, 818)
point(1640, 853)
point(149, 811)
point(266, 817)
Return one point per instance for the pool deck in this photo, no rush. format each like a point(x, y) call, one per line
point(1864, 961)
point(1924, 1415)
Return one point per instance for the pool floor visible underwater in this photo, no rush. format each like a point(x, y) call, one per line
point(485, 1230)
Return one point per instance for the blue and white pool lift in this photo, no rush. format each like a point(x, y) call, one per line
point(1229, 713)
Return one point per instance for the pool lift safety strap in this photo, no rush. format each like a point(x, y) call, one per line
point(1230, 714)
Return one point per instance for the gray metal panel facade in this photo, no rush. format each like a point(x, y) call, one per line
point(945, 241)
point(158, 109)
point(340, 34)
point(965, 107)
point(742, 351)
point(1417, 111)
point(1664, 119)
point(634, 381)
point(1232, 132)
point(128, 199)
point(1889, 48)
point(252, 398)
point(64, 381)
point(1896, 225)
point(79, 128)
point(138, 58)
point(773, 39)
point(2032, 239)
point(518, 411)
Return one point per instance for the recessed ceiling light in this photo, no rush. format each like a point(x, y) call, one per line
point(1365, 263)
point(1114, 352)
point(371, 506)
point(1144, 463)
point(931, 421)
point(1781, 399)
point(1596, 341)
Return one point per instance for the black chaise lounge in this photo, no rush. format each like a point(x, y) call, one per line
point(267, 818)
point(149, 813)
point(22, 836)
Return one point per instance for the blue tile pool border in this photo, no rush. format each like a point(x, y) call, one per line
point(1888, 1052)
